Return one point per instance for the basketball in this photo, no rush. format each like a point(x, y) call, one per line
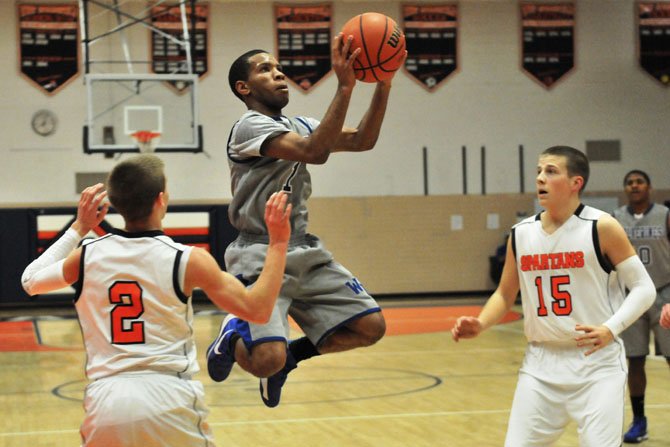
point(382, 45)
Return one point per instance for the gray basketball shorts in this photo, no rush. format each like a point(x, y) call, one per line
point(318, 292)
point(636, 337)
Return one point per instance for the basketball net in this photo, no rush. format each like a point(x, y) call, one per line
point(146, 140)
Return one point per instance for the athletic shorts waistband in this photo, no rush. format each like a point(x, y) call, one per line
point(147, 373)
point(555, 344)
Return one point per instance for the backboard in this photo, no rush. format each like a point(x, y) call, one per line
point(121, 104)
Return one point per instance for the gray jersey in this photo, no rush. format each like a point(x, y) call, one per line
point(649, 236)
point(255, 177)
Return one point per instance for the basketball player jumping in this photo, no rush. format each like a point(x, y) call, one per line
point(269, 152)
point(566, 260)
point(134, 307)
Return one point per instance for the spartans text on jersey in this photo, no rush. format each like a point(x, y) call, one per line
point(547, 261)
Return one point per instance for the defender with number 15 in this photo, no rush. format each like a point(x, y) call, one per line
point(570, 263)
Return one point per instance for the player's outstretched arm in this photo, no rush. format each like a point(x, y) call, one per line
point(227, 292)
point(58, 266)
point(665, 316)
point(365, 136)
point(497, 305)
point(316, 148)
point(616, 246)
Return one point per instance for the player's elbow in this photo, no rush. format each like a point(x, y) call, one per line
point(319, 158)
point(257, 310)
point(316, 152)
point(29, 290)
point(255, 320)
point(259, 316)
point(367, 145)
point(649, 291)
point(28, 284)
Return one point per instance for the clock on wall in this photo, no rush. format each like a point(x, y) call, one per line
point(44, 122)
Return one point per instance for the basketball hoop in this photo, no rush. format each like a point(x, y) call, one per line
point(146, 140)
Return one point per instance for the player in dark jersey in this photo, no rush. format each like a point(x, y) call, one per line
point(646, 224)
point(269, 152)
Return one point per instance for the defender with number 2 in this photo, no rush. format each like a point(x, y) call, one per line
point(133, 300)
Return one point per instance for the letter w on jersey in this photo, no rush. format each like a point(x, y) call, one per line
point(355, 286)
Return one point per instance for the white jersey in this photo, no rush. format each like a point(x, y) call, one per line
point(131, 308)
point(564, 277)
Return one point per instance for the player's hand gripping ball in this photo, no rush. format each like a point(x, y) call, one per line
point(382, 45)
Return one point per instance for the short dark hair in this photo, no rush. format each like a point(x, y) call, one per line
point(638, 172)
point(134, 184)
point(239, 70)
point(577, 163)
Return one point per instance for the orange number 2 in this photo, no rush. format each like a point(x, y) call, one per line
point(127, 295)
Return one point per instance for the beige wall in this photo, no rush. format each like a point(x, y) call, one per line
point(489, 102)
point(405, 245)
point(398, 245)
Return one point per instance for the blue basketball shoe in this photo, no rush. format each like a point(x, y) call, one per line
point(220, 359)
point(637, 432)
point(270, 387)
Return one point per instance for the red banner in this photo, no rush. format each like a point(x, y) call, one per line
point(547, 36)
point(431, 34)
point(303, 37)
point(654, 39)
point(49, 44)
point(167, 54)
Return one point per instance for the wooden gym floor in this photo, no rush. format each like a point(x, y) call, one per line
point(415, 387)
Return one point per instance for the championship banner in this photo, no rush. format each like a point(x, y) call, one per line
point(49, 44)
point(167, 55)
point(547, 32)
point(431, 36)
point(654, 39)
point(303, 42)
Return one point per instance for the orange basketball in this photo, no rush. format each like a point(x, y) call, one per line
point(382, 45)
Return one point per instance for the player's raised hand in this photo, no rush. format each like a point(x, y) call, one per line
point(596, 337)
point(90, 211)
point(342, 60)
point(277, 217)
point(665, 316)
point(466, 327)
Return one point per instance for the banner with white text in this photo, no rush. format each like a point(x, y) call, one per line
point(654, 39)
point(548, 41)
point(49, 44)
point(303, 42)
point(431, 35)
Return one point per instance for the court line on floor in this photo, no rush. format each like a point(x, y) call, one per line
point(382, 416)
point(379, 352)
point(293, 420)
point(321, 419)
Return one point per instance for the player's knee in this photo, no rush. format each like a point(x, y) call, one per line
point(374, 329)
point(267, 359)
